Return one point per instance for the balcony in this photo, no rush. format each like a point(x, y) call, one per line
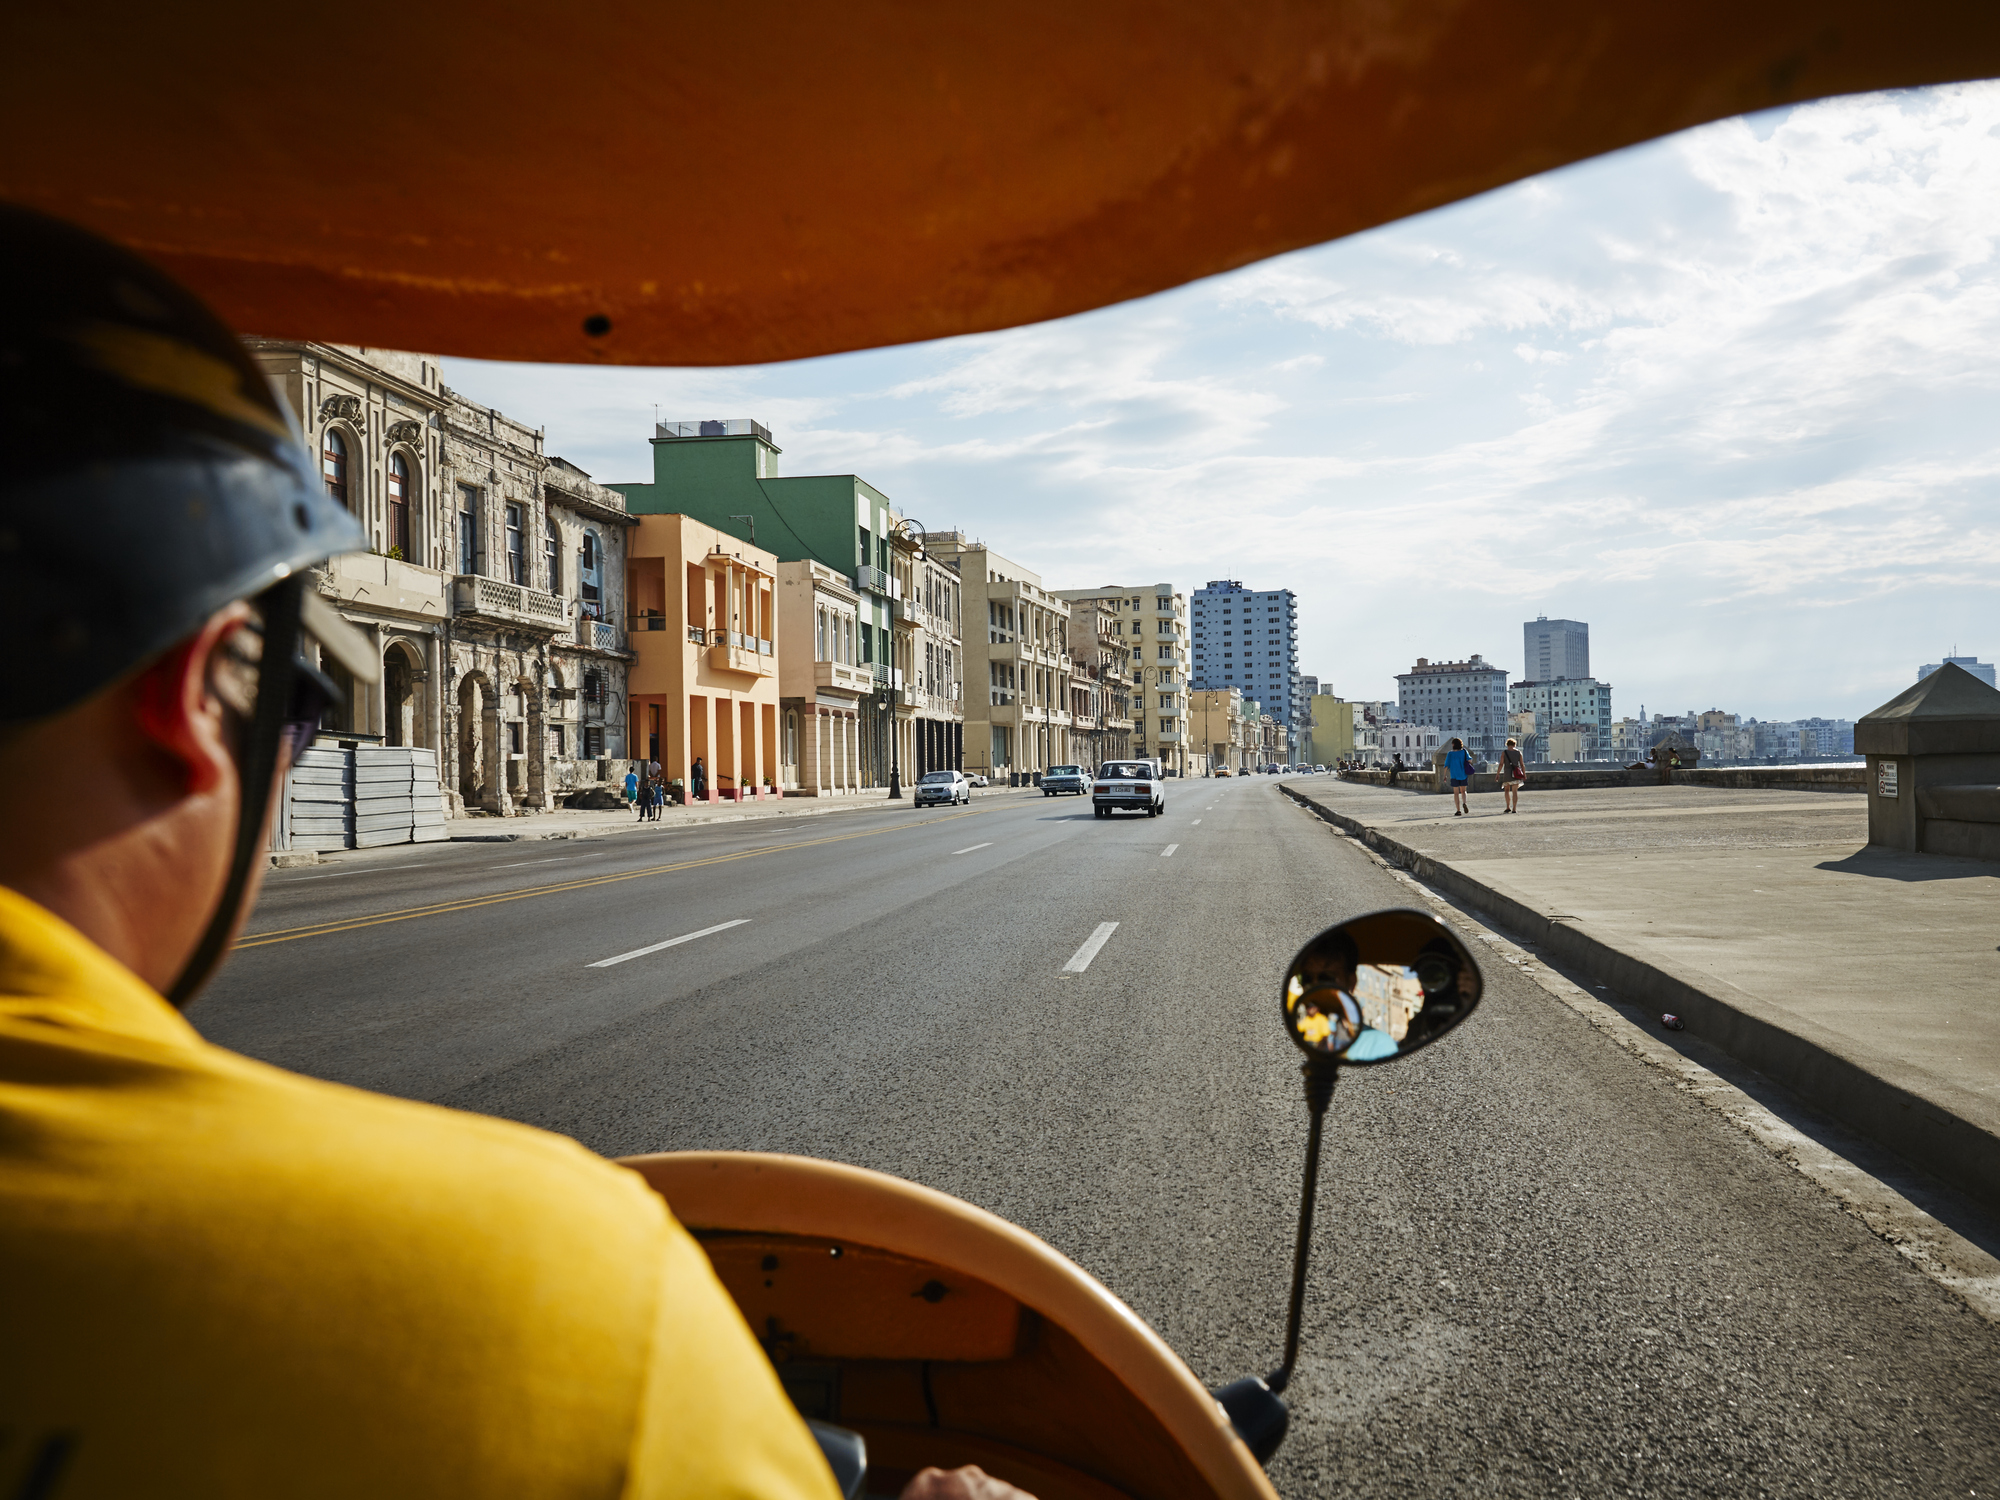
point(1083, 721)
point(597, 635)
point(376, 582)
point(477, 598)
point(743, 654)
point(875, 581)
point(838, 674)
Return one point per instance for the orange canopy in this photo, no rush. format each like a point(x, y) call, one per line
point(679, 184)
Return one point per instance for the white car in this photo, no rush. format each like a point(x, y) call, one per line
point(1128, 785)
point(943, 786)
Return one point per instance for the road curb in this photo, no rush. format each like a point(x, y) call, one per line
point(1929, 1134)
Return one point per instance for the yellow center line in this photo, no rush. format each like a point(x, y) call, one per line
point(444, 908)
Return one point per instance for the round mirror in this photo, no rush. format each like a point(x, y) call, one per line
point(1379, 987)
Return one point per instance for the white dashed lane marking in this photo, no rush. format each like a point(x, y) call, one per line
point(686, 937)
point(1168, 850)
point(1080, 960)
point(970, 847)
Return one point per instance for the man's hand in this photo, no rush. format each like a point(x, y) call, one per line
point(968, 1483)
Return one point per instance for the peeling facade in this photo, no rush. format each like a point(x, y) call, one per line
point(494, 584)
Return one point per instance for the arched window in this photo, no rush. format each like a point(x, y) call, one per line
point(333, 465)
point(552, 550)
point(399, 506)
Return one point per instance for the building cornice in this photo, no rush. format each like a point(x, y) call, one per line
point(360, 369)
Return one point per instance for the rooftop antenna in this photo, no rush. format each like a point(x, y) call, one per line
point(753, 527)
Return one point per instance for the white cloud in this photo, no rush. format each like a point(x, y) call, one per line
point(1730, 396)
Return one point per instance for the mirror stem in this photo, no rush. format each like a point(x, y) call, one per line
point(1319, 1075)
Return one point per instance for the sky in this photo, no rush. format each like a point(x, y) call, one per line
point(1729, 397)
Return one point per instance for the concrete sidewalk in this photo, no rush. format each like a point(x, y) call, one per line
point(1865, 981)
point(570, 825)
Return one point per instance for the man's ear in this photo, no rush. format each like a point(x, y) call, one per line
point(178, 711)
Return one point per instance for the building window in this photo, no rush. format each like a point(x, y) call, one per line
point(590, 581)
point(552, 554)
point(556, 740)
point(399, 506)
point(593, 743)
point(468, 529)
point(516, 737)
point(517, 562)
point(333, 465)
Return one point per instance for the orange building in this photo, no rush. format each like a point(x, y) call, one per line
point(703, 625)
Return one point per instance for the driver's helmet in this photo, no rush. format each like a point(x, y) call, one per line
point(152, 476)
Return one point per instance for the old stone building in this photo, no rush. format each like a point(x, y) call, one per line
point(494, 584)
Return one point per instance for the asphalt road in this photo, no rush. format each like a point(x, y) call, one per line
point(1539, 1270)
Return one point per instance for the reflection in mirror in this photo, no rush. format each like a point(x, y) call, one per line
point(1379, 987)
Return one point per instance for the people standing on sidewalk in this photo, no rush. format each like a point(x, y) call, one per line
point(1513, 771)
point(658, 799)
point(1458, 766)
point(1396, 768)
point(639, 789)
point(698, 775)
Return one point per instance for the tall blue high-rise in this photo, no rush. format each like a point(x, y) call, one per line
point(1249, 639)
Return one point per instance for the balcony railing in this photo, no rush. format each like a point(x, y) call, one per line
point(748, 660)
point(598, 635)
point(838, 674)
point(476, 597)
point(875, 581)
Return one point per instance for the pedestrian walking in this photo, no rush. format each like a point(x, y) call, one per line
point(698, 774)
point(1513, 771)
point(1458, 766)
point(632, 788)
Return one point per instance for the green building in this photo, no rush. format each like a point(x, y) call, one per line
point(725, 474)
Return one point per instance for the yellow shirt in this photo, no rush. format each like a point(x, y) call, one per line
point(220, 1279)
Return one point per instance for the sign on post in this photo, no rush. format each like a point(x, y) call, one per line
point(1885, 778)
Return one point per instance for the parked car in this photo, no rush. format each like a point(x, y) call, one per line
point(1064, 781)
point(1128, 786)
point(943, 786)
point(976, 779)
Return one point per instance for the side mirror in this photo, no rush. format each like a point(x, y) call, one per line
point(1378, 988)
point(1367, 992)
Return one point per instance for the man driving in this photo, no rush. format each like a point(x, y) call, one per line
point(218, 1278)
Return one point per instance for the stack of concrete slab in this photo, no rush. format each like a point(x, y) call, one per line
point(364, 798)
point(396, 799)
point(319, 796)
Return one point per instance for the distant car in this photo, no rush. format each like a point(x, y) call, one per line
point(1064, 781)
point(977, 780)
point(1224, 771)
point(1128, 786)
point(943, 786)
point(1319, 770)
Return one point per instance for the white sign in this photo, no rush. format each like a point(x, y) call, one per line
point(1885, 778)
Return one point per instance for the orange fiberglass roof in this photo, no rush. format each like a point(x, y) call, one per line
point(672, 184)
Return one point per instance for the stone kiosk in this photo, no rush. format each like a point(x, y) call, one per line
point(1934, 767)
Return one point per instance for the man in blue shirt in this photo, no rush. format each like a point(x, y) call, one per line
point(1458, 766)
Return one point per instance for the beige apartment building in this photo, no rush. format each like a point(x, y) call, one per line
point(704, 685)
point(1017, 722)
point(929, 656)
point(1221, 731)
point(1153, 619)
point(821, 681)
point(1100, 687)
